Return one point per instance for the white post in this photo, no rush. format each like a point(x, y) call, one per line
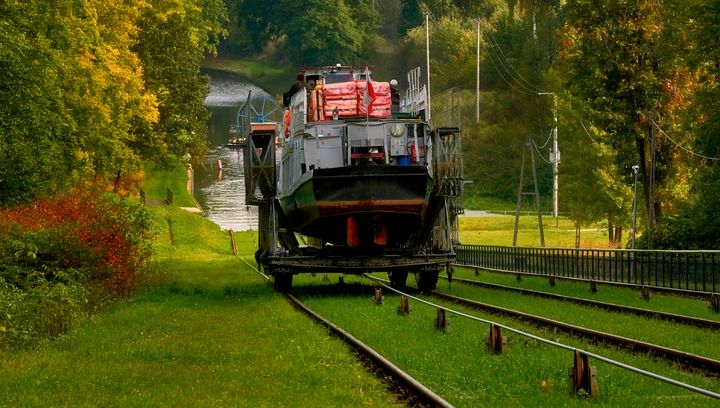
point(427, 60)
point(635, 169)
point(477, 79)
point(554, 157)
point(556, 162)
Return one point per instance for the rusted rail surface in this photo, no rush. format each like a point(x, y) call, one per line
point(709, 365)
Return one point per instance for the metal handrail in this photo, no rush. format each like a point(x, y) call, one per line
point(692, 270)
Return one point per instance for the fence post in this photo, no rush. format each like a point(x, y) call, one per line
point(379, 299)
point(715, 302)
point(232, 243)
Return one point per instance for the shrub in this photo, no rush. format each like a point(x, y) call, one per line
point(57, 251)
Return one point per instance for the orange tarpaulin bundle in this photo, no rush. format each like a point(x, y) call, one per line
point(380, 106)
point(315, 106)
point(341, 96)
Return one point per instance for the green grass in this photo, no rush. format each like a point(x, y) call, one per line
point(606, 293)
point(174, 179)
point(699, 341)
point(499, 229)
point(456, 365)
point(474, 202)
point(208, 332)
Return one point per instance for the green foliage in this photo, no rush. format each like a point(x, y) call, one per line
point(174, 37)
point(80, 101)
point(614, 62)
point(314, 32)
point(61, 253)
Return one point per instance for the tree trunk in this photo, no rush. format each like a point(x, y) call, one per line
point(618, 235)
point(611, 232)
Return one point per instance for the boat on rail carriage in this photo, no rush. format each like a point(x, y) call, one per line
point(361, 178)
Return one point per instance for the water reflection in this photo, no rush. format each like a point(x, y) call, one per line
point(221, 194)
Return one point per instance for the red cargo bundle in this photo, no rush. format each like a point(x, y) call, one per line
point(340, 96)
point(380, 107)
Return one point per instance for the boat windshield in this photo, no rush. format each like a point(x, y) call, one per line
point(338, 77)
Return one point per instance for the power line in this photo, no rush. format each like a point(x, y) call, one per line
point(682, 147)
point(547, 140)
point(540, 154)
point(533, 87)
point(586, 131)
point(523, 91)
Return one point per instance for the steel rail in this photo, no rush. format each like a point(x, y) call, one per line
point(555, 344)
point(689, 320)
point(710, 365)
point(397, 373)
point(420, 391)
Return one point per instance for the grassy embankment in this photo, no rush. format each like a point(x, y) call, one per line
point(274, 79)
point(208, 332)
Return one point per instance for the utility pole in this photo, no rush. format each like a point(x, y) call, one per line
point(477, 79)
point(536, 193)
point(427, 60)
point(554, 156)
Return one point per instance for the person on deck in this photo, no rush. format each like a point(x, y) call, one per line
point(298, 85)
point(394, 96)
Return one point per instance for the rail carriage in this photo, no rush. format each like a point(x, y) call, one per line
point(361, 180)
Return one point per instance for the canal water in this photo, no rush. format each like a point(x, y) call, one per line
point(221, 194)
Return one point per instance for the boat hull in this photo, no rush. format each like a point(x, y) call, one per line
point(360, 206)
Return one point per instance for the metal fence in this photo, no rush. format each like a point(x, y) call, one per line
point(685, 270)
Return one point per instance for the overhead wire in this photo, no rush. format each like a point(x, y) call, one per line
point(547, 140)
point(534, 88)
point(681, 146)
point(586, 131)
point(538, 152)
point(523, 91)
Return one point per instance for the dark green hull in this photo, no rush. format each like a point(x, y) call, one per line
point(392, 198)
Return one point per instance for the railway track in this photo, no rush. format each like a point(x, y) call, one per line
point(408, 388)
point(689, 360)
point(552, 342)
point(688, 320)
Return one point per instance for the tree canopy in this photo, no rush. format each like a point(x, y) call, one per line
point(92, 87)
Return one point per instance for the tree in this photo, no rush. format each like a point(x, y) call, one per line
point(614, 64)
point(314, 32)
point(81, 103)
point(694, 225)
point(174, 37)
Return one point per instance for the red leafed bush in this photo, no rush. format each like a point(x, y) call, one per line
point(106, 237)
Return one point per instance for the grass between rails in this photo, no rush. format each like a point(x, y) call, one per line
point(705, 342)
point(606, 293)
point(456, 365)
point(209, 332)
